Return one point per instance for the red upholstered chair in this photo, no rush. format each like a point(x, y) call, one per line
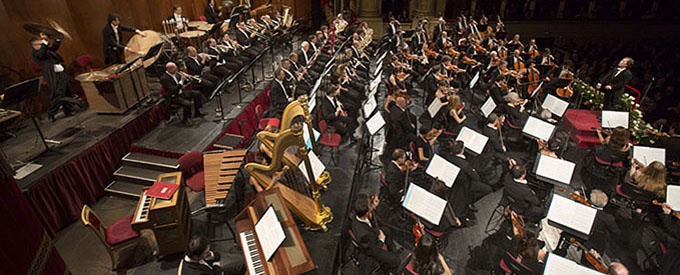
point(171, 110)
point(191, 165)
point(202, 18)
point(114, 237)
point(264, 122)
point(327, 139)
point(509, 265)
point(85, 63)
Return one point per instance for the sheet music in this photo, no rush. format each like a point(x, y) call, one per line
point(673, 197)
point(442, 169)
point(316, 87)
point(434, 107)
point(488, 107)
point(424, 204)
point(317, 166)
point(556, 265)
point(473, 140)
point(474, 80)
point(378, 69)
point(311, 104)
point(375, 83)
point(305, 135)
point(369, 106)
point(382, 57)
point(647, 155)
point(555, 169)
point(375, 123)
point(571, 214)
point(613, 119)
point(538, 128)
point(555, 105)
point(269, 232)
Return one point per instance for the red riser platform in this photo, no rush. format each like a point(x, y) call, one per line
point(580, 124)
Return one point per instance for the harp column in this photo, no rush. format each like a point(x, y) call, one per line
point(369, 12)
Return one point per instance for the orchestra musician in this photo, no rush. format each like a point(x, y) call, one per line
point(178, 18)
point(113, 40)
point(525, 201)
point(333, 113)
point(614, 82)
point(279, 93)
point(52, 66)
point(212, 13)
point(217, 64)
point(174, 83)
point(468, 187)
point(201, 260)
point(374, 244)
point(196, 66)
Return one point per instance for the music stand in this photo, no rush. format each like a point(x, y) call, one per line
point(127, 65)
point(153, 51)
point(23, 91)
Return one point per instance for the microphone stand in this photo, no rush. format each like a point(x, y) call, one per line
point(649, 86)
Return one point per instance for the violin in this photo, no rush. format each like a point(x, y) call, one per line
point(469, 61)
point(418, 230)
point(517, 223)
point(450, 51)
point(597, 263)
point(408, 165)
point(433, 134)
point(674, 213)
point(453, 68)
point(402, 76)
point(431, 52)
point(576, 197)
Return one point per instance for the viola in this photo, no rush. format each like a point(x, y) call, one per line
point(517, 223)
point(674, 213)
point(576, 197)
point(597, 263)
point(418, 230)
point(430, 52)
point(408, 165)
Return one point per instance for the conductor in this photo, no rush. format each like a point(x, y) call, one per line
point(113, 47)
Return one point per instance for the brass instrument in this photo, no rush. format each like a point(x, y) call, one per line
point(309, 209)
point(192, 77)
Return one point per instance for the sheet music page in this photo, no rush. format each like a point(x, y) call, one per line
point(375, 82)
point(556, 265)
point(269, 232)
point(311, 104)
point(375, 123)
point(647, 155)
point(305, 135)
point(382, 57)
point(538, 128)
point(555, 105)
point(613, 119)
point(424, 204)
point(473, 140)
point(442, 169)
point(673, 197)
point(571, 214)
point(555, 169)
point(474, 80)
point(317, 166)
point(378, 69)
point(488, 107)
point(434, 107)
point(369, 106)
point(316, 86)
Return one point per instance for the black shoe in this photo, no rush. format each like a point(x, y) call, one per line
point(467, 222)
point(199, 114)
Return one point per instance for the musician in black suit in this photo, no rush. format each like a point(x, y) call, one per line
point(178, 18)
point(614, 83)
point(247, 39)
point(52, 66)
point(200, 260)
point(279, 93)
point(524, 200)
point(212, 13)
point(395, 178)
point(173, 84)
point(195, 65)
point(468, 187)
point(333, 113)
point(217, 64)
point(402, 124)
point(438, 29)
point(604, 225)
point(113, 39)
point(373, 243)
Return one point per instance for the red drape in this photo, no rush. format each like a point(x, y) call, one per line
point(25, 244)
point(249, 125)
point(58, 197)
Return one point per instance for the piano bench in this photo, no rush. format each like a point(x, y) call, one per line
point(120, 231)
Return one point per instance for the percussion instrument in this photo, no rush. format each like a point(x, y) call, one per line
point(196, 24)
point(142, 44)
point(205, 27)
point(193, 37)
point(36, 29)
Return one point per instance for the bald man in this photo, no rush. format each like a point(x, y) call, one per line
point(217, 64)
point(196, 65)
point(173, 84)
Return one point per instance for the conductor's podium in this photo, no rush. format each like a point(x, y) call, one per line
point(108, 92)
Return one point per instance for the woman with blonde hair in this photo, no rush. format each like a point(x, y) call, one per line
point(651, 178)
point(454, 117)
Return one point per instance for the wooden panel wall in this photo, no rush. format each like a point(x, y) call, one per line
point(84, 20)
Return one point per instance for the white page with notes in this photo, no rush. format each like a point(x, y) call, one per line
point(424, 204)
point(571, 214)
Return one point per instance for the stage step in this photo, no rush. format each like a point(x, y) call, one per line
point(139, 175)
point(125, 189)
point(151, 161)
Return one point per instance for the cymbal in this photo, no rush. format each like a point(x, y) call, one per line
point(36, 29)
point(58, 28)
